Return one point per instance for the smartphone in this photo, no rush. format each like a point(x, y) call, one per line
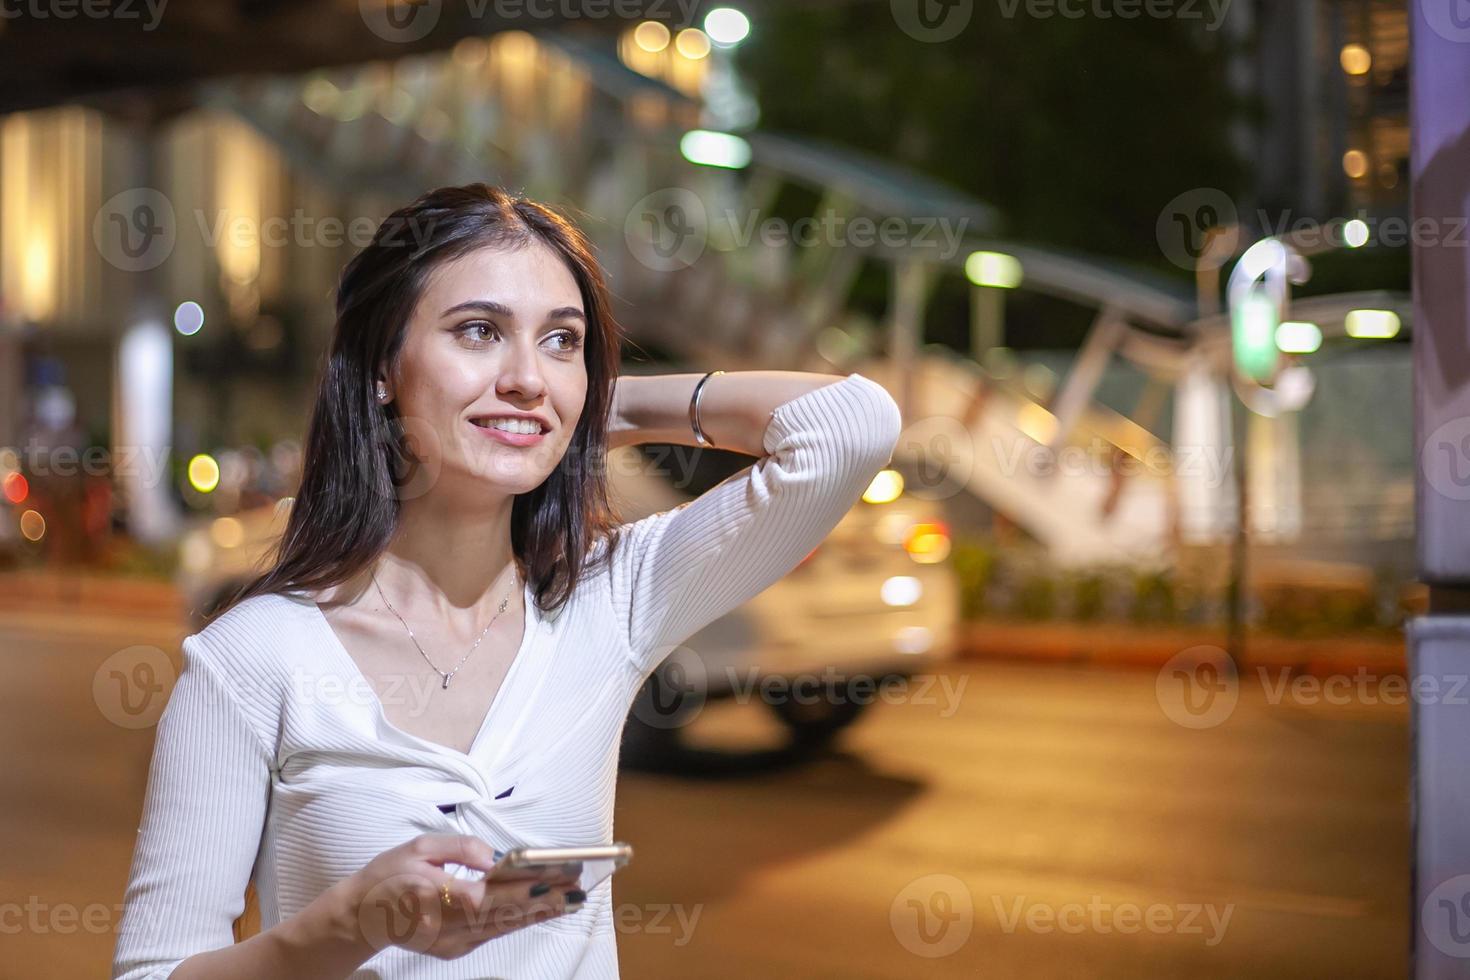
point(594, 864)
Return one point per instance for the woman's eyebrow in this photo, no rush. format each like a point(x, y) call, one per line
point(500, 309)
point(480, 306)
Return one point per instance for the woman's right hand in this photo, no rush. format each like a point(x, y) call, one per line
point(396, 899)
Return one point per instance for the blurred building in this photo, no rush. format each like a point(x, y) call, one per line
point(1333, 79)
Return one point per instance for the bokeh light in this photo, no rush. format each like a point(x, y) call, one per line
point(1355, 233)
point(651, 36)
point(726, 26)
point(994, 269)
point(1372, 324)
point(227, 532)
point(32, 525)
point(188, 318)
point(884, 488)
point(692, 43)
point(1298, 337)
point(16, 488)
point(901, 590)
point(1355, 59)
point(203, 473)
point(928, 543)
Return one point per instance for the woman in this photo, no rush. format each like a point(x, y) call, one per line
point(439, 663)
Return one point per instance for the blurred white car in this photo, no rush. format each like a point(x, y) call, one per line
point(874, 603)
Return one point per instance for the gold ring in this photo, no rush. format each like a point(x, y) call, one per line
point(444, 894)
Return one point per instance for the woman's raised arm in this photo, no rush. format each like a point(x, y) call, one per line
point(681, 569)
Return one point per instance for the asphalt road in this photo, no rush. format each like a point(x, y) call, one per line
point(1019, 822)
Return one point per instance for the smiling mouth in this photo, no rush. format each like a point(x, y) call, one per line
point(526, 427)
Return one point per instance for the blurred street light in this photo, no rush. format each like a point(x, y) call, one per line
point(203, 473)
point(1298, 337)
point(1372, 324)
point(711, 149)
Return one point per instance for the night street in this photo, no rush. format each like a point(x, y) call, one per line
point(1060, 806)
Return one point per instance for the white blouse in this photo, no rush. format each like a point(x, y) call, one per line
point(274, 763)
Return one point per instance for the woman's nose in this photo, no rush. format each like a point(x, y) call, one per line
point(520, 371)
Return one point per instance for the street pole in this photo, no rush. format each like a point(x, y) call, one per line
point(1240, 544)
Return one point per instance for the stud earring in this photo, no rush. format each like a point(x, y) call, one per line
point(382, 392)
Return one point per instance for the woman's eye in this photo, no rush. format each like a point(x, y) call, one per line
point(478, 331)
point(570, 341)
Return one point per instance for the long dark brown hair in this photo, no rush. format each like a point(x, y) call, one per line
point(357, 456)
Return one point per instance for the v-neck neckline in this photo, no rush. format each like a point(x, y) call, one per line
point(530, 625)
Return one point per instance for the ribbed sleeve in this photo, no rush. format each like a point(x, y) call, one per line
point(208, 791)
point(686, 567)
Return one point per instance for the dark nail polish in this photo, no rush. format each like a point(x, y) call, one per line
point(540, 888)
point(576, 896)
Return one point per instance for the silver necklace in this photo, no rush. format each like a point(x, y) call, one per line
point(449, 676)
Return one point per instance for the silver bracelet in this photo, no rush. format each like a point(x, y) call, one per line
point(699, 435)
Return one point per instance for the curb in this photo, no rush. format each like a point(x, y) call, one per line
point(1122, 645)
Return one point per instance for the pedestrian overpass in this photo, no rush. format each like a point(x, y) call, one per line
point(568, 123)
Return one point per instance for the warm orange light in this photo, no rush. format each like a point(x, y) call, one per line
point(1356, 60)
point(16, 488)
point(927, 543)
point(32, 525)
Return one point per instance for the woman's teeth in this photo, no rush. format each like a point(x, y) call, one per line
point(522, 426)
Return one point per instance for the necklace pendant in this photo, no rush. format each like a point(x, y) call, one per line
point(446, 681)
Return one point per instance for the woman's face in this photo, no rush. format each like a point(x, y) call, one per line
point(497, 333)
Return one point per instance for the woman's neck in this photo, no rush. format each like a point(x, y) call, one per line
point(446, 558)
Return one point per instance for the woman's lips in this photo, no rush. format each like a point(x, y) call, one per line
point(510, 438)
